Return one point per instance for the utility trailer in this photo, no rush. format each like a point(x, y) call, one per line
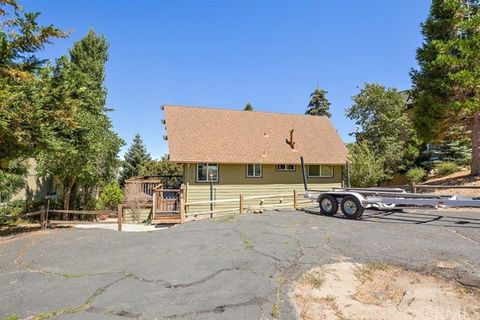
point(353, 201)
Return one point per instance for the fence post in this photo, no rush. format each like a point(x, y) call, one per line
point(43, 222)
point(154, 203)
point(119, 216)
point(295, 201)
point(414, 188)
point(241, 204)
point(182, 203)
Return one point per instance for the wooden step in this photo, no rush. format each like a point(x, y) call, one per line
point(166, 218)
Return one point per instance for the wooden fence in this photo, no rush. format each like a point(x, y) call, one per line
point(239, 205)
point(45, 218)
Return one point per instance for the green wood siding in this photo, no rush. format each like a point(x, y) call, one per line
point(201, 192)
point(233, 181)
point(231, 174)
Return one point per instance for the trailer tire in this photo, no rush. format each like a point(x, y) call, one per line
point(351, 207)
point(328, 205)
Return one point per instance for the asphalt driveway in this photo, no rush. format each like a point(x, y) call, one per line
point(230, 268)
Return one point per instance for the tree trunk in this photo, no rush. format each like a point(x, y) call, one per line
point(475, 167)
point(66, 197)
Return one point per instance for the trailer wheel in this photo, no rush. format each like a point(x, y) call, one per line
point(351, 207)
point(328, 205)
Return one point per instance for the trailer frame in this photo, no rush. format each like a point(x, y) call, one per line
point(353, 201)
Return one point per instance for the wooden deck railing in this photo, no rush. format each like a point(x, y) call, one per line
point(145, 186)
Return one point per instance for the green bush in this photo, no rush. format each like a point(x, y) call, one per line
point(111, 196)
point(416, 175)
point(446, 168)
point(10, 211)
point(365, 169)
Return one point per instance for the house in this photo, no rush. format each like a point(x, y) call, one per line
point(37, 187)
point(228, 152)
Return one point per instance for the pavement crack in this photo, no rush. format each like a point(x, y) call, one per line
point(85, 306)
point(118, 313)
point(219, 309)
point(186, 285)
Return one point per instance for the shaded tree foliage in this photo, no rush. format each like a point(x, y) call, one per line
point(365, 169)
point(319, 104)
point(248, 107)
point(135, 158)
point(163, 168)
point(24, 119)
point(383, 125)
point(84, 150)
point(447, 85)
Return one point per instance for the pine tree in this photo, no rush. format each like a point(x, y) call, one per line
point(319, 104)
point(83, 151)
point(248, 107)
point(25, 122)
point(135, 158)
point(447, 86)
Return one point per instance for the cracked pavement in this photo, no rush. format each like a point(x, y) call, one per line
point(240, 268)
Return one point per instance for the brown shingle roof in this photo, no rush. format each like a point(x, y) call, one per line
point(231, 136)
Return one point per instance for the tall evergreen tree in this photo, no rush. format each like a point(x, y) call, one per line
point(447, 85)
point(135, 158)
point(25, 122)
point(319, 104)
point(84, 151)
point(248, 107)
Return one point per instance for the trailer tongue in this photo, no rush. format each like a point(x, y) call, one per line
point(353, 201)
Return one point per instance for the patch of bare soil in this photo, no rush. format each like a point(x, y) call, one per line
point(461, 178)
point(351, 291)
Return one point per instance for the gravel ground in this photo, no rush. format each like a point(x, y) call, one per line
point(230, 268)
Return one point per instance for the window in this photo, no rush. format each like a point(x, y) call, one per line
point(254, 170)
point(207, 172)
point(324, 171)
point(285, 167)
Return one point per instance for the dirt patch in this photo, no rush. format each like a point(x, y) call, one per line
point(461, 178)
point(379, 291)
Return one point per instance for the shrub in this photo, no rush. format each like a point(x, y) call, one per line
point(416, 175)
point(10, 211)
point(365, 169)
point(111, 196)
point(446, 168)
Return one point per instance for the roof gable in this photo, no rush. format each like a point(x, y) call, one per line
point(231, 136)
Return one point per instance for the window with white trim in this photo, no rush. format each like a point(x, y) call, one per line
point(285, 167)
point(320, 171)
point(207, 172)
point(254, 170)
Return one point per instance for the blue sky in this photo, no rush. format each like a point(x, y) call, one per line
point(225, 53)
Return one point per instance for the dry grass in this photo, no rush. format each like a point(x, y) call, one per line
point(366, 271)
point(313, 278)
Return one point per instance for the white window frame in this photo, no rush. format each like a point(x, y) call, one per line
point(254, 166)
point(208, 178)
point(320, 171)
point(285, 167)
